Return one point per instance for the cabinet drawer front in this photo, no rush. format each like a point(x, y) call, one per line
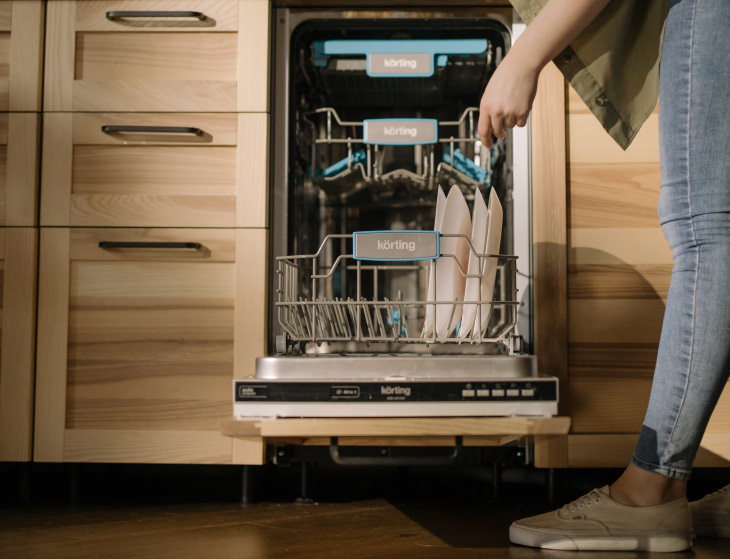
point(154, 334)
point(21, 25)
point(162, 55)
point(155, 170)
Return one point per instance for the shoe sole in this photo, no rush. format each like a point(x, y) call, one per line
point(638, 542)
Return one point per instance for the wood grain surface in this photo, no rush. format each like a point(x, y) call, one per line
point(24, 83)
point(19, 252)
point(218, 64)
point(151, 342)
point(396, 427)
point(549, 229)
point(216, 178)
point(619, 272)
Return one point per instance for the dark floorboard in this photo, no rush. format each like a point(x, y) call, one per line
point(184, 513)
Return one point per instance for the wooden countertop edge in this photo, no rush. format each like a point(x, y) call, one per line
point(396, 427)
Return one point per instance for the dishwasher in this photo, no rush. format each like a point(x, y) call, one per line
point(374, 120)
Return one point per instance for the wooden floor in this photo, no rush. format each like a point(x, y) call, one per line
point(455, 520)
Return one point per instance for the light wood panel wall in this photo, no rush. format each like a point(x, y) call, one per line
point(619, 266)
point(550, 230)
point(619, 271)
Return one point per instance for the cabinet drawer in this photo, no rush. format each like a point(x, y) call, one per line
point(18, 253)
point(21, 37)
point(141, 330)
point(178, 170)
point(157, 55)
point(19, 146)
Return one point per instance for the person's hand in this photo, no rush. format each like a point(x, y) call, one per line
point(507, 99)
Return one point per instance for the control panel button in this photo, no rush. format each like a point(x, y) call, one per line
point(497, 392)
point(513, 392)
point(528, 392)
point(466, 393)
point(483, 393)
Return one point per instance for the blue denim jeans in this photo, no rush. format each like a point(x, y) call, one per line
point(694, 209)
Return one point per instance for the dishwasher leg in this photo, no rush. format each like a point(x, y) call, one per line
point(74, 485)
point(496, 481)
point(247, 486)
point(24, 483)
point(551, 492)
point(304, 498)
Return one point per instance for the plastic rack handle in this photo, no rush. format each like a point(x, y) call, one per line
point(396, 245)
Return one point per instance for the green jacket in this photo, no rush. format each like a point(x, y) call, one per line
point(614, 63)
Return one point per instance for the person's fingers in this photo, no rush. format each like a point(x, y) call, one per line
point(497, 123)
point(509, 121)
point(484, 128)
point(521, 121)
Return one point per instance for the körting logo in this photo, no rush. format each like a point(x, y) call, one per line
point(400, 131)
point(395, 390)
point(400, 63)
point(410, 246)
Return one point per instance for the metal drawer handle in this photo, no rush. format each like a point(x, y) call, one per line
point(115, 15)
point(113, 128)
point(110, 245)
point(447, 460)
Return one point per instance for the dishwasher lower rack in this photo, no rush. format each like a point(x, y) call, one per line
point(335, 300)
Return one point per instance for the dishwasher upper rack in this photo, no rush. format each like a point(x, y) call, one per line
point(364, 166)
point(321, 316)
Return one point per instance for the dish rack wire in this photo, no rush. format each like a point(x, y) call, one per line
point(328, 130)
point(309, 308)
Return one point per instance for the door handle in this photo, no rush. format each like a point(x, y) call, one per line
point(111, 245)
point(116, 15)
point(114, 128)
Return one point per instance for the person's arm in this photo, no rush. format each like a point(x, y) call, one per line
point(508, 97)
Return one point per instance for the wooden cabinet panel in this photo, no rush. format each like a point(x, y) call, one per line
point(19, 147)
point(210, 171)
point(21, 49)
point(151, 339)
point(18, 257)
point(101, 57)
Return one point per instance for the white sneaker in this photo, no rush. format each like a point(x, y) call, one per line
point(711, 514)
point(597, 522)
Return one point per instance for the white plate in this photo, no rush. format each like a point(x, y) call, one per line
point(479, 224)
point(430, 310)
point(489, 272)
point(450, 281)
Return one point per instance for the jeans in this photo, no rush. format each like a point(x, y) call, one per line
point(694, 209)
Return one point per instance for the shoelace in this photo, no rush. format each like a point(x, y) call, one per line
point(592, 498)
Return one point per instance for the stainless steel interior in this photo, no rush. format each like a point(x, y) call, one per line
point(378, 366)
point(318, 115)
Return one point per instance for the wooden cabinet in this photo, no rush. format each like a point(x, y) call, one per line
point(157, 55)
point(152, 226)
point(19, 140)
point(21, 40)
point(619, 270)
point(18, 257)
point(155, 169)
point(139, 334)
